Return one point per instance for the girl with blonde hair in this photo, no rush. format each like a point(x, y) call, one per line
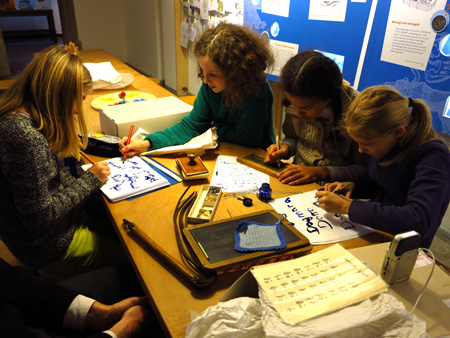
point(408, 170)
point(42, 220)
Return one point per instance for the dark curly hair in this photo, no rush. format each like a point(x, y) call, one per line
point(311, 73)
point(240, 54)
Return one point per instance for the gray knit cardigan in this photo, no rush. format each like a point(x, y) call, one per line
point(319, 143)
point(40, 202)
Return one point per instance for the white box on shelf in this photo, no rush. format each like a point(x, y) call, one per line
point(43, 5)
point(151, 115)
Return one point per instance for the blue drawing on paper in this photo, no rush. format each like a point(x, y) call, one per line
point(129, 175)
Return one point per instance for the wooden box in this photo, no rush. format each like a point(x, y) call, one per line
point(205, 205)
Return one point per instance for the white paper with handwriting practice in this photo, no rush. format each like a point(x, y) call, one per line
point(319, 226)
point(318, 283)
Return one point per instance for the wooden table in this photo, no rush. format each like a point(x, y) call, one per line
point(170, 298)
point(10, 12)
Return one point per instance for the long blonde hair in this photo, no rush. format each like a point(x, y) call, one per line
point(47, 89)
point(378, 110)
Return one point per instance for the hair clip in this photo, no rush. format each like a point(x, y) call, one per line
point(71, 48)
point(410, 106)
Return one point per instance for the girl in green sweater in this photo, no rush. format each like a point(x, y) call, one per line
point(235, 96)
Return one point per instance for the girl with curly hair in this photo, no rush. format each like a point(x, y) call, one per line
point(235, 96)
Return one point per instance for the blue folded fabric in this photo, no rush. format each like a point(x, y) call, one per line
point(252, 236)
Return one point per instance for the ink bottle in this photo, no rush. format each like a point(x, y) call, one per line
point(265, 192)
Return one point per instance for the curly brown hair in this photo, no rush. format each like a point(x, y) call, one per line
point(240, 54)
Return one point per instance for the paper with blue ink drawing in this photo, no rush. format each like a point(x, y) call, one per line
point(130, 178)
point(319, 226)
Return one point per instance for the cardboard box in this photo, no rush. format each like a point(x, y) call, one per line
point(245, 286)
point(151, 115)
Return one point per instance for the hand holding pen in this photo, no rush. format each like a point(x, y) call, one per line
point(128, 141)
point(99, 169)
point(334, 203)
point(335, 197)
point(340, 188)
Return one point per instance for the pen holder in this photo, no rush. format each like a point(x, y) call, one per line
point(265, 192)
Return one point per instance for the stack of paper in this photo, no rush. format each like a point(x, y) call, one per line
point(317, 284)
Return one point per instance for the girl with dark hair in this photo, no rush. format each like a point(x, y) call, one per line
point(316, 99)
point(235, 96)
point(409, 166)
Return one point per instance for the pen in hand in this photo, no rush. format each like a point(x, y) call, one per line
point(82, 153)
point(128, 141)
point(277, 141)
point(340, 190)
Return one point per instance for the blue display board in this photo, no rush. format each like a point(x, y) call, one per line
point(362, 65)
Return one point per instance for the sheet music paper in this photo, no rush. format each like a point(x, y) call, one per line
point(233, 176)
point(317, 283)
point(319, 226)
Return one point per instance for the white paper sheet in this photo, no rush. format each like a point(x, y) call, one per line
point(317, 284)
point(409, 37)
point(198, 145)
point(276, 7)
point(319, 226)
point(233, 176)
point(327, 10)
point(282, 52)
point(105, 76)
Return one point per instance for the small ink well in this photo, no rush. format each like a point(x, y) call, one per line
point(265, 192)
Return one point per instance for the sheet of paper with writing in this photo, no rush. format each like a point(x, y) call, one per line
point(130, 178)
point(317, 284)
point(232, 176)
point(319, 226)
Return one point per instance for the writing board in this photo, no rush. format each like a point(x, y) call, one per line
point(257, 162)
point(216, 240)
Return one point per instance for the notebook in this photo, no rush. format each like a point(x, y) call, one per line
point(130, 178)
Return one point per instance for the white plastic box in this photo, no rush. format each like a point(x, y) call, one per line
point(151, 115)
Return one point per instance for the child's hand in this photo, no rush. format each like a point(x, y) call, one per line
point(300, 174)
point(273, 155)
point(135, 147)
point(101, 170)
point(343, 188)
point(332, 202)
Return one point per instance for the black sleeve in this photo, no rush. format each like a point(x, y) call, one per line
point(40, 301)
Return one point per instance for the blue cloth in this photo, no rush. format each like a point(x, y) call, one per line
point(253, 236)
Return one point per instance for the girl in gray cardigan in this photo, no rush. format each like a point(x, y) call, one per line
point(41, 205)
point(316, 98)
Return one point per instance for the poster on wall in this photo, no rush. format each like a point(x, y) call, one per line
point(409, 36)
point(329, 10)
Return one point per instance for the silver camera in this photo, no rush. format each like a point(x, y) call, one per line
point(401, 257)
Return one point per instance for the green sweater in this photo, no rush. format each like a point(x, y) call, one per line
point(250, 125)
point(40, 201)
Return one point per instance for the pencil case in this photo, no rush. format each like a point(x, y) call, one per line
point(103, 145)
